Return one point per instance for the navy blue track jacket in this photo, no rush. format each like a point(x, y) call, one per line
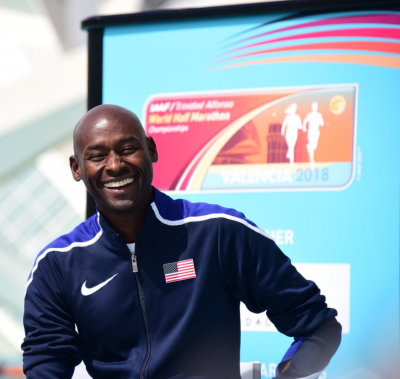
point(84, 301)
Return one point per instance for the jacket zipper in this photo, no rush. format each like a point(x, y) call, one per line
point(135, 270)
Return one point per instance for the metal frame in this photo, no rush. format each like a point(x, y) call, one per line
point(309, 6)
point(95, 88)
point(95, 27)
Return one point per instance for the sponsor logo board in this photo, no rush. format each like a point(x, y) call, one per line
point(333, 279)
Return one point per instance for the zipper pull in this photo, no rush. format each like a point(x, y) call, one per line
point(134, 263)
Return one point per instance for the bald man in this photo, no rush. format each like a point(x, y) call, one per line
point(150, 287)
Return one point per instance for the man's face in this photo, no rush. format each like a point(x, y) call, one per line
point(114, 159)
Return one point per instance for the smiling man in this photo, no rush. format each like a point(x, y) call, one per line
point(150, 287)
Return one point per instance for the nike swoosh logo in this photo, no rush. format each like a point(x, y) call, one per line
point(89, 291)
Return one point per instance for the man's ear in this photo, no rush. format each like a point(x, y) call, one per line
point(152, 149)
point(75, 168)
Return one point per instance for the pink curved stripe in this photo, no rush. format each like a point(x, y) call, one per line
point(365, 32)
point(382, 47)
point(372, 60)
point(392, 19)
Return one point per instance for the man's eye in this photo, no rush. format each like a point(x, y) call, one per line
point(97, 158)
point(129, 150)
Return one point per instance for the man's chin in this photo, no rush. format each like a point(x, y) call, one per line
point(120, 206)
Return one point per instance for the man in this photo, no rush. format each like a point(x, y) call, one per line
point(150, 287)
point(292, 123)
point(314, 120)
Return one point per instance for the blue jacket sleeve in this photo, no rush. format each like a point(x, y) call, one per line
point(51, 344)
point(311, 353)
point(263, 278)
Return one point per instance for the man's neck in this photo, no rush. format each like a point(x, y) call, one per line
point(127, 224)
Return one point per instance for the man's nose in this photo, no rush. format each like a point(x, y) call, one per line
point(115, 163)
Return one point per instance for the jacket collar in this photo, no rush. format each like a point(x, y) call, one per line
point(161, 201)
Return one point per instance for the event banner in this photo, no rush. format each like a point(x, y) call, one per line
point(252, 139)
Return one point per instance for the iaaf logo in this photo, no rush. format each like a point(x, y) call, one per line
point(159, 107)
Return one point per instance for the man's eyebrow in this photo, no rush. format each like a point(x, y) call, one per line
point(121, 141)
point(128, 139)
point(94, 147)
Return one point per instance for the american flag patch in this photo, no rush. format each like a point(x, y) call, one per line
point(181, 270)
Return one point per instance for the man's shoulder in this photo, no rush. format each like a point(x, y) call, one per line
point(178, 211)
point(84, 234)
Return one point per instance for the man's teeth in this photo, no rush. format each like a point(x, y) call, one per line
point(119, 184)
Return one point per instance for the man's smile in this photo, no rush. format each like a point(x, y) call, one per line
point(119, 185)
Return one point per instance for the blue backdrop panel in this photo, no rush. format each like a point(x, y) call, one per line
point(353, 230)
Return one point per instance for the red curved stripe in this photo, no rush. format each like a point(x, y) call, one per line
point(391, 19)
point(186, 180)
point(382, 47)
point(365, 32)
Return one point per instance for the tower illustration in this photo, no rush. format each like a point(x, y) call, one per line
point(277, 146)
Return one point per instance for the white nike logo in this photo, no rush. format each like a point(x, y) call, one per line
point(88, 291)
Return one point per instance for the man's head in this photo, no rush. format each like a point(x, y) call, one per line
point(114, 158)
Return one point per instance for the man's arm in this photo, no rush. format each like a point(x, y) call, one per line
point(263, 278)
point(284, 126)
point(309, 354)
point(321, 120)
point(51, 344)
